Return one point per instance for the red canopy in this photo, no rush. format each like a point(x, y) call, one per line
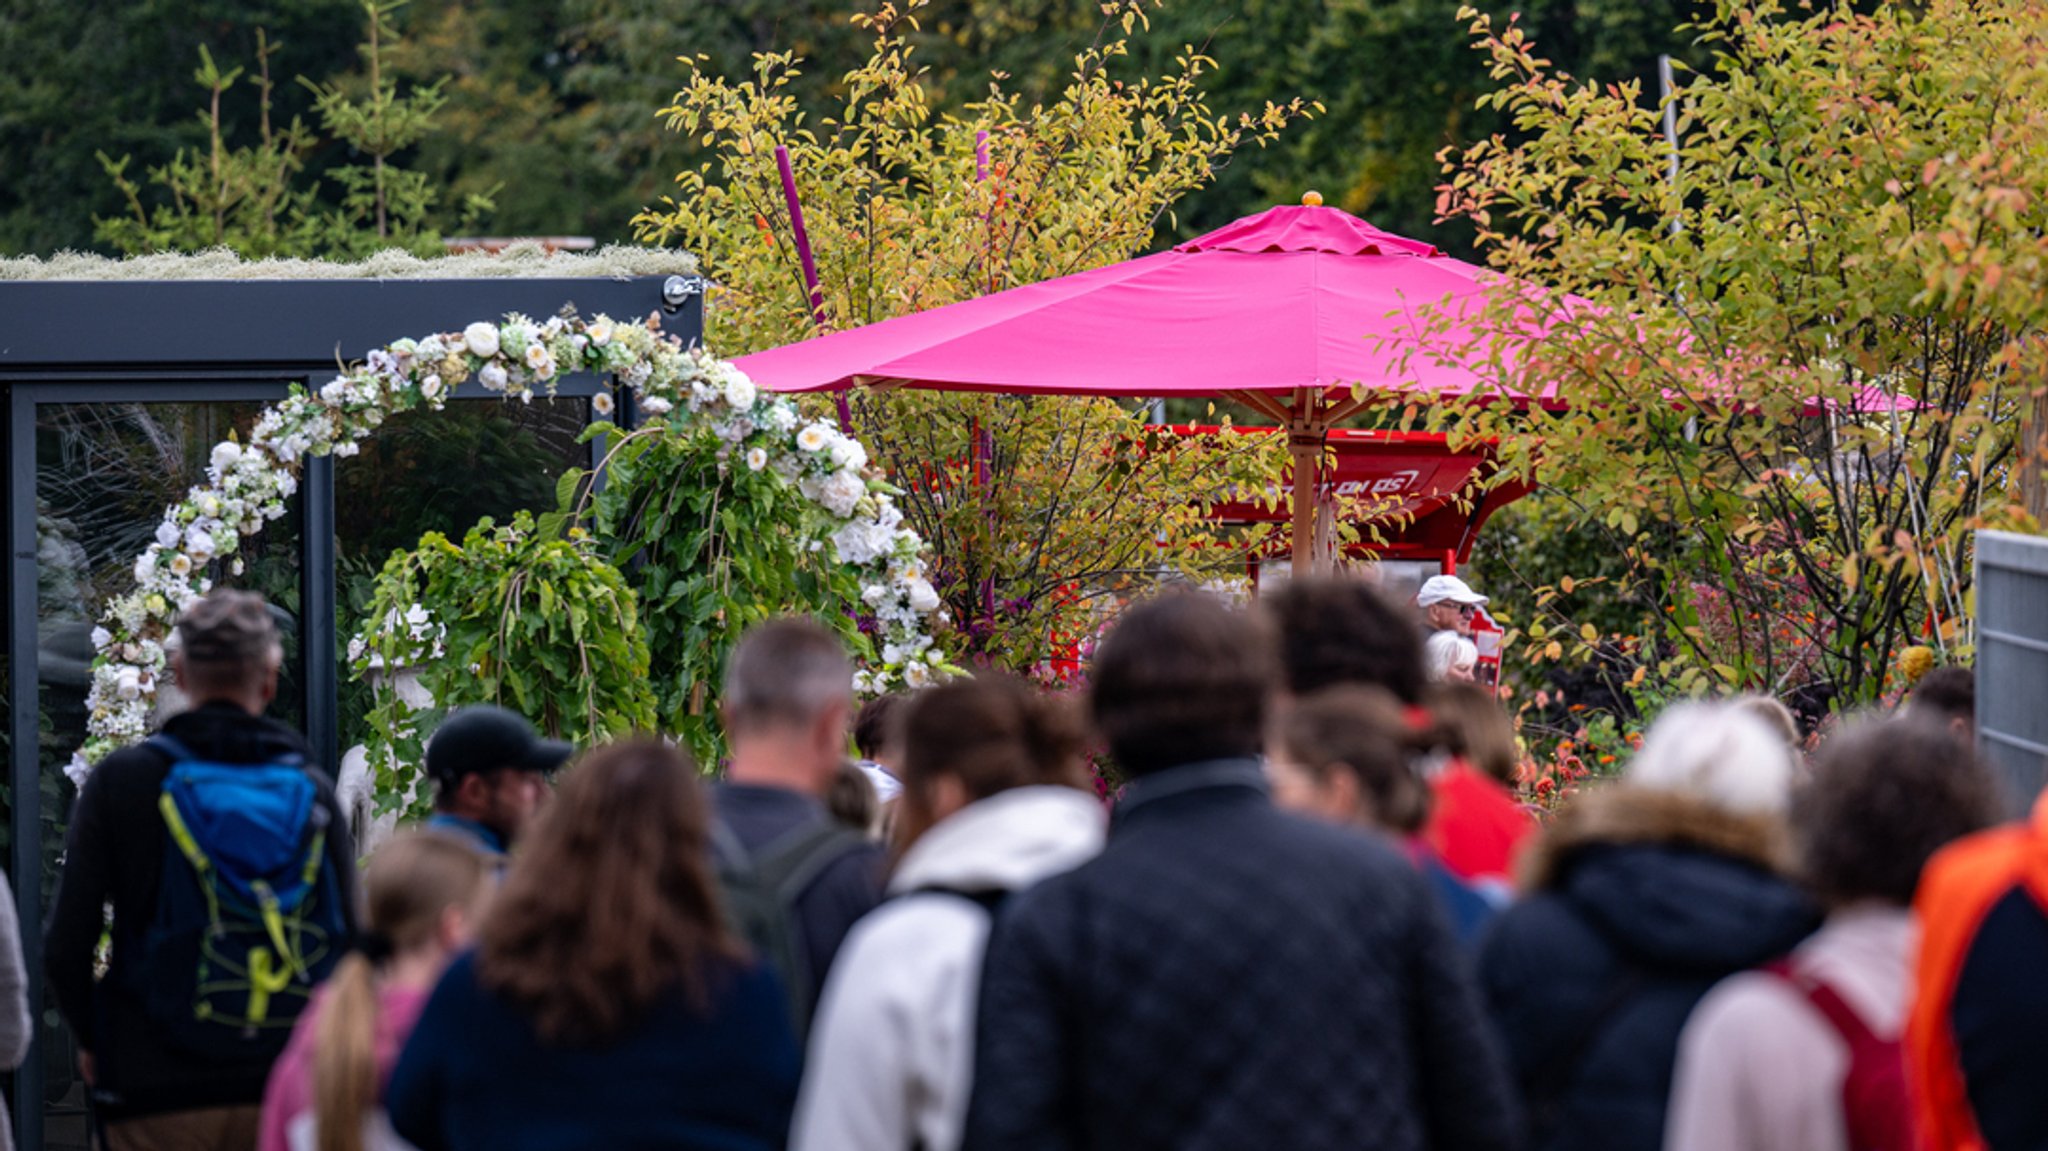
point(1422, 500)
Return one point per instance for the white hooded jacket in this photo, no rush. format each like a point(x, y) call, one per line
point(892, 1047)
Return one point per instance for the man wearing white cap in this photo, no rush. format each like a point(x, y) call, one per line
point(1448, 604)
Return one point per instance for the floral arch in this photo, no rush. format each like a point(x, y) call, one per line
point(247, 485)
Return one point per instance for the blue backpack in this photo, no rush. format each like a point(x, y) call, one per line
point(249, 915)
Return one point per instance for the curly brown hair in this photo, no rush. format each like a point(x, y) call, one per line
point(1336, 631)
point(1882, 798)
point(611, 904)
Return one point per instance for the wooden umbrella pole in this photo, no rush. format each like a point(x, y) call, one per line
point(1305, 439)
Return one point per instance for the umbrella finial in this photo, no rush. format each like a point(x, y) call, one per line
point(1312, 199)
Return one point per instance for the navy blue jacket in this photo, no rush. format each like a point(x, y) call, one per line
point(1640, 903)
point(1225, 976)
point(846, 889)
point(476, 1077)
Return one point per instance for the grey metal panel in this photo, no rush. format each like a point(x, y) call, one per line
point(23, 707)
point(2012, 659)
point(107, 324)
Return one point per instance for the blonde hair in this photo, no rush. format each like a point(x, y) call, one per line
point(409, 886)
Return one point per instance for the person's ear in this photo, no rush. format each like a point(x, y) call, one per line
point(829, 735)
point(474, 792)
point(1342, 795)
point(454, 931)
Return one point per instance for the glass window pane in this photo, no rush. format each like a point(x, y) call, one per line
point(105, 472)
point(441, 472)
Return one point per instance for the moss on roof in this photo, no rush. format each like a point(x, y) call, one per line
point(520, 261)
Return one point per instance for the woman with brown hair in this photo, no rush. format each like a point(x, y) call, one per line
point(425, 891)
point(1348, 755)
point(991, 803)
point(606, 1004)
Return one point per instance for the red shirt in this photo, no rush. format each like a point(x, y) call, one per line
point(1475, 825)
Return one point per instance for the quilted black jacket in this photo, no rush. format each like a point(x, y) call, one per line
point(1227, 977)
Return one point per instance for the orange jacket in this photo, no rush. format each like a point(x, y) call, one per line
point(1959, 889)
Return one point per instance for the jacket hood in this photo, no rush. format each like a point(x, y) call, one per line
point(230, 735)
point(1673, 881)
point(1005, 842)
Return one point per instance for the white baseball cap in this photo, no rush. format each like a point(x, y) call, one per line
point(1437, 589)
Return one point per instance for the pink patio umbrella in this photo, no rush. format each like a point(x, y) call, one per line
point(1300, 313)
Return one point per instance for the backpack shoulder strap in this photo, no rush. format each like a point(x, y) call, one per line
point(170, 747)
point(989, 899)
point(1845, 1019)
point(789, 865)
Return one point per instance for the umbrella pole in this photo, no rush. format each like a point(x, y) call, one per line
point(1306, 436)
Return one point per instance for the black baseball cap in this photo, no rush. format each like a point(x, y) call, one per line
point(486, 738)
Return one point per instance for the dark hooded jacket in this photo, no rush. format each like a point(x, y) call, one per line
point(1639, 902)
point(113, 856)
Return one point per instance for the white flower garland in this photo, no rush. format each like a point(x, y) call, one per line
point(248, 486)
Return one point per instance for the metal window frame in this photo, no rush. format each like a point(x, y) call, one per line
point(212, 341)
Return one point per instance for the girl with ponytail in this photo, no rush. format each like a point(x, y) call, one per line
point(425, 890)
point(992, 802)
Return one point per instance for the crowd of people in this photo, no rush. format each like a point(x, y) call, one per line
point(1312, 914)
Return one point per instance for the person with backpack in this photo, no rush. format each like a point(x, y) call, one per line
point(606, 1004)
point(231, 877)
point(490, 771)
point(1804, 1054)
point(1640, 895)
point(993, 801)
point(1224, 975)
point(426, 892)
point(794, 877)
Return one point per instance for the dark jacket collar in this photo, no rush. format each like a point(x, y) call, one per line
point(1206, 775)
point(226, 733)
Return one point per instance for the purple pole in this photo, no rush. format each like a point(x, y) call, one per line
point(810, 266)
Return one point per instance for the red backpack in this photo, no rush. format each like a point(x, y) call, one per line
point(1877, 1108)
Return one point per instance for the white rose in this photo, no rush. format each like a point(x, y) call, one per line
point(814, 438)
point(538, 361)
point(848, 453)
point(656, 406)
point(431, 387)
point(923, 596)
point(601, 403)
point(916, 675)
point(167, 534)
point(492, 376)
point(892, 654)
point(145, 567)
point(226, 455)
point(739, 392)
point(101, 637)
point(199, 542)
point(181, 565)
point(600, 333)
point(841, 492)
point(482, 339)
point(757, 458)
point(209, 505)
point(128, 684)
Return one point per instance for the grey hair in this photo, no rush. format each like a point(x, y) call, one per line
point(1444, 651)
point(785, 671)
